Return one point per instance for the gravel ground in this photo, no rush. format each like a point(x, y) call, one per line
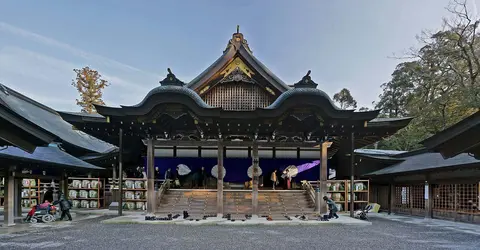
point(383, 234)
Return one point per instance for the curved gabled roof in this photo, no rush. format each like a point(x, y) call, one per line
point(238, 46)
point(157, 96)
point(173, 90)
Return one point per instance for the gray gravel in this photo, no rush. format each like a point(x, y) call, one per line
point(383, 234)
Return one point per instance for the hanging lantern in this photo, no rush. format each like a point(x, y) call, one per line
point(250, 172)
point(215, 172)
point(183, 169)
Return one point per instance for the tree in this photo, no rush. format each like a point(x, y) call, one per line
point(440, 84)
point(364, 109)
point(90, 85)
point(345, 99)
point(397, 92)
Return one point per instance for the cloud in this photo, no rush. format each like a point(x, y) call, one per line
point(66, 47)
point(40, 74)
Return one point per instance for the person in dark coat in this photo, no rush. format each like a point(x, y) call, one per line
point(65, 205)
point(332, 207)
point(203, 177)
point(168, 175)
point(48, 196)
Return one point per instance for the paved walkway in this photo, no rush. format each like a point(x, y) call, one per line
point(384, 234)
point(433, 223)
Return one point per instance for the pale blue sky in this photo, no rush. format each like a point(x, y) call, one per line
point(344, 43)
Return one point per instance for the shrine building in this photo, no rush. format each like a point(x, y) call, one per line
point(237, 116)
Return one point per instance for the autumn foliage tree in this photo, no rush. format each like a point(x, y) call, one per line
point(90, 85)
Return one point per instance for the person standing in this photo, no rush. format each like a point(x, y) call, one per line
point(65, 205)
point(288, 178)
point(203, 177)
point(332, 207)
point(48, 196)
point(274, 178)
point(176, 178)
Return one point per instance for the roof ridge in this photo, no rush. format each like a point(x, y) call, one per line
point(413, 153)
point(29, 100)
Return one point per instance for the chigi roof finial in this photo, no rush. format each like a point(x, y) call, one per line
point(238, 28)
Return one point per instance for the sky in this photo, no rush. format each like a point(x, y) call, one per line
point(347, 44)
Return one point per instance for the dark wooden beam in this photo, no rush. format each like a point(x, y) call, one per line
point(232, 143)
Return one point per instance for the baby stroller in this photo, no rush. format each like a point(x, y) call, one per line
point(362, 213)
point(42, 214)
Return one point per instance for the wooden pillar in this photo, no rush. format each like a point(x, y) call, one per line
point(352, 175)
point(9, 204)
point(428, 200)
point(151, 198)
point(114, 171)
point(64, 187)
point(220, 179)
point(391, 198)
point(120, 171)
point(255, 162)
point(322, 184)
point(18, 197)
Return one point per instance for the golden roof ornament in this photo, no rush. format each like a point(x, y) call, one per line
point(237, 41)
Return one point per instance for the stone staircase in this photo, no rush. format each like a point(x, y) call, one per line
point(197, 202)
point(237, 203)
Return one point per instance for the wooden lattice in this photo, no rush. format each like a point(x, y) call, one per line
point(402, 199)
point(417, 196)
point(409, 199)
point(462, 198)
point(238, 96)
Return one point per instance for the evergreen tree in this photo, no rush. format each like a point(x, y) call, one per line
point(345, 99)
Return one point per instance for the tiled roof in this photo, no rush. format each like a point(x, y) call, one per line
point(49, 120)
point(46, 155)
point(425, 162)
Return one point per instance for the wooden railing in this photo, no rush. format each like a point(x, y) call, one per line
point(307, 186)
point(163, 188)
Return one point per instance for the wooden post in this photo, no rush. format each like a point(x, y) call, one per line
point(410, 199)
point(428, 200)
point(391, 198)
point(9, 204)
point(220, 179)
point(322, 186)
point(120, 171)
point(63, 187)
point(255, 162)
point(352, 176)
point(18, 197)
point(151, 201)
point(114, 171)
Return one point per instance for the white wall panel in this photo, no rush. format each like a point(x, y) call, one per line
point(265, 153)
point(314, 154)
point(187, 152)
point(209, 152)
point(237, 152)
point(286, 153)
point(160, 152)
